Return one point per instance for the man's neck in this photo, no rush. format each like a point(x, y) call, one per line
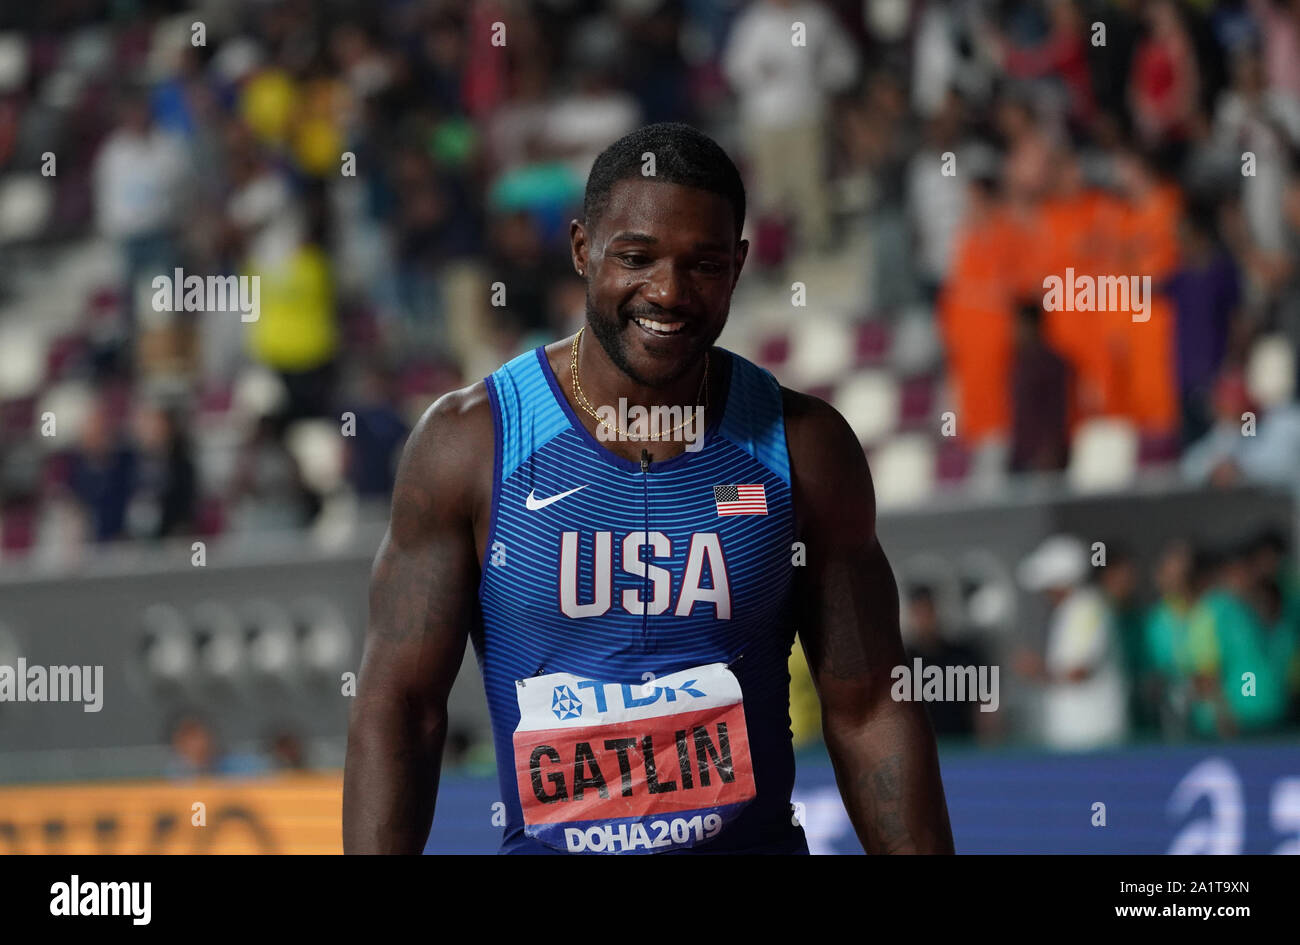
point(604, 382)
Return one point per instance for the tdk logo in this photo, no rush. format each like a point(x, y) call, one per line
point(565, 704)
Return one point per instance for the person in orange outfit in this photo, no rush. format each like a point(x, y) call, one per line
point(1148, 246)
point(975, 311)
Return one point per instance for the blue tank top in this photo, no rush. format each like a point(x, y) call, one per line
point(635, 628)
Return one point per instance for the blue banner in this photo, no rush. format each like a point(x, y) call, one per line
point(1226, 799)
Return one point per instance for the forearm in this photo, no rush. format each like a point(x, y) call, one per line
point(390, 780)
point(887, 767)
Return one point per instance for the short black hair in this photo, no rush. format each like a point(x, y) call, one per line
point(683, 155)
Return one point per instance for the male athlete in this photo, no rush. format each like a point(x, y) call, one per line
point(632, 602)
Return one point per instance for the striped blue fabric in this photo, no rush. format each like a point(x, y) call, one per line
point(544, 451)
point(751, 424)
point(526, 408)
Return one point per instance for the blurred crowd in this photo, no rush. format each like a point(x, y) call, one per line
point(1202, 645)
point(1213, 654)
point(384, 168)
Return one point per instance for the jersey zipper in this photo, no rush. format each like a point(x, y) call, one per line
point(645, 543)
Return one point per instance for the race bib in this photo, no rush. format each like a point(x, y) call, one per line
point(607, 767)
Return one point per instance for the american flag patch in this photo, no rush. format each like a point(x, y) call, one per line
point(740, 500)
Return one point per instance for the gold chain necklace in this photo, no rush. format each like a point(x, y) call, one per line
point(586, 405)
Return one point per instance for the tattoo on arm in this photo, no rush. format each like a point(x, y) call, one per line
point(880, 790)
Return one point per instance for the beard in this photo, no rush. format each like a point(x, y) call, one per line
point(609, 331)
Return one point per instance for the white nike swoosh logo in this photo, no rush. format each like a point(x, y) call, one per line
point(533, 504)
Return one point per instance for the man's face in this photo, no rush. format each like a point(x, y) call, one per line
point(661, 263)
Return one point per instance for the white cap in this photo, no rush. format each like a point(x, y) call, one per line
point(1060, 561)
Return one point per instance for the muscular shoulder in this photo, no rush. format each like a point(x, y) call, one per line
point(828, 470)
point(446, 466)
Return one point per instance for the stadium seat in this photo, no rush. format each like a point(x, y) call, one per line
point(916, 348)
point(258, 392)
point(1103, 455)
point(1155, 449)
point(991, 595)
point(916, 403)
point(14, 61)
point(17, 530)
point(822, 351)
point(89, 50)
point(873, 342)
point(1270, 371)
point(326, 643)
point(22, 360)
point(167, 649)
point(17, 417)
point(774, 351)
point(70, 403)
point(869, 401)
point(317, 446)
point(953, 461)
point(219, 649)
point(26, 201)
point(63, 355)
point(903, 470)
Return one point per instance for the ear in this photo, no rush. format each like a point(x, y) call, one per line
point(742, 253)
point(578, 247)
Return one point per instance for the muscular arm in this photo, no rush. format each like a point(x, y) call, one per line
point(422, 592)
point(883, 751)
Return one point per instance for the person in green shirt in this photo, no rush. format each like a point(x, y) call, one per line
point(1240, 648)
point(1118, 581)
point(1163, 687)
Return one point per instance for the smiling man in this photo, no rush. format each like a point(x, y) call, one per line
point(633, 603)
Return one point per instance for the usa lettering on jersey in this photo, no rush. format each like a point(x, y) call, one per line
point(704, 556)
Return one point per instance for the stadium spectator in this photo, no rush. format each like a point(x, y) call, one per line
point(104, 472)
point(267, 492)
point(197, 751)
point(1165, 81)
point(1216, 457)
point(1164, 677)
point(285, 751)
point(1060, 57)
point(296, 333)
point(1119, 583)
point(927, 642)
point(139, 175)
point(1250, 119)
point(936, 194)
point(1242, 646)
point(380, 434)
point(167, 495)
point(1084, 701)
point(1205, 291)
point(783, 90)
point(975, 313)
point(1040, 398)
